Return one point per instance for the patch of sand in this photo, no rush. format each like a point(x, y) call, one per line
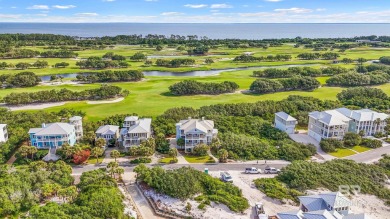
point(106, 101)
point(38, 106)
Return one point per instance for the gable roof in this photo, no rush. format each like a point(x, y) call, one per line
point(131, 118)
point(53, 129)
point(363, 114)
point(75, 118)
point(290, 215)
point(142, 126)
point(107, 130)
point(2, 125)
point(330, 117)
point(285, 116)
point(321, 201)
point(199, 124)
point(321, 214)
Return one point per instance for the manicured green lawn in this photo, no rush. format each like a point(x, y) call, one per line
point(197, 159)
point(92, 160)
point(361, 149)
point(342, 153)
point(165, 160)
point(151, 97)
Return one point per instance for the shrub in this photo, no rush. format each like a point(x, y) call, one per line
point(329, 145)
point(201, 150)
point(277, 190)
point(352, 139)
point(141, 160)
point(371, 143)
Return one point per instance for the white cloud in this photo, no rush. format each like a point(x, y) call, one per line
point(273, 0)
point(171, 13)
point(10, 16)
point(294, 10)
point(221, 6)
point(38, 7)
point(195, 6)
point(63, 6)
point(87, 14)
point(151, 0)
point(108, 0)
point(321, 9)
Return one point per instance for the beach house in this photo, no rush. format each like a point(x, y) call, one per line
point(285, 122)
point(3, 133)
point(135, 131)
point(108, 133)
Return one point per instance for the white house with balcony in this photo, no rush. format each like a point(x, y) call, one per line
point(135, 131)
point(194, 132)
point(284, 122)
point(328, 124)
point(367, 121)
point(108, 133)
point(3, 133)
point(335, 123)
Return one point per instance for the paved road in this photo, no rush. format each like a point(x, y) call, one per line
point(370, 156)
point(78, 170)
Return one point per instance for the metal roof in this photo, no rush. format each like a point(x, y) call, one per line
point(285, 116)
point(107, 130)
point(198, 124)
point(53, 129)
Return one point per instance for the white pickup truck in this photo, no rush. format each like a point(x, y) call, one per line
point(252, 170)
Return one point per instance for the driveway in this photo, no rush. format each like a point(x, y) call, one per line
point(370, 156)
point(305, 139)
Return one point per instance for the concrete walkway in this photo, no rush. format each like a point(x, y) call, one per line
point(180, 158)
point(305, 139)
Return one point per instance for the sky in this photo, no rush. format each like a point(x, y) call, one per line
point(196, 11)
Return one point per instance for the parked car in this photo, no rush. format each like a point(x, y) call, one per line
point(263, 216)
point(252, 170)
point(259, 208)
point(225, 177)
point(271, 170)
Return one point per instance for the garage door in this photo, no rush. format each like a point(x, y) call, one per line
point(314, 135)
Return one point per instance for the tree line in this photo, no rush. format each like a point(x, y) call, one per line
point(175, 63)
point(313, 56)
point(264, 85)
point(22, 79)
point(47, 96)
point(192, 87)
point(365, 97)
point(99, 63)
point(111, 76)
point(354, 79)
point(299, 71)
point(270, 58)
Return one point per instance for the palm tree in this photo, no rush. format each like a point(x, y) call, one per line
point(120, 171)
point(223, 155)
point(24, 151)
point(173, 153)
point(31, 151)
point(377, 122)
point(100, 143)
point(111, 167)
point(115, 154)
point(97, 152)
point(68, 150)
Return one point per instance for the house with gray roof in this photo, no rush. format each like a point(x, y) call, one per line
point(3, 133)
point(335, 123)
point(134, 131)
point(54, 135)
point(284, 122)
point(328, 124)
point(108, 133)
point(332, 205)
point(194, 132)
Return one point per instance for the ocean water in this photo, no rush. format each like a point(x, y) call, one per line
point(213, 31)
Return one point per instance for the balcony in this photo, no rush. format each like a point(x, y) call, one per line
point(195, 136)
